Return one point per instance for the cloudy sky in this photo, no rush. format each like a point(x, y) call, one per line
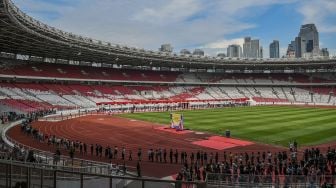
point(208, 24)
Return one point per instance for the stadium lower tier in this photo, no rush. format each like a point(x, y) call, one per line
point(28, 97)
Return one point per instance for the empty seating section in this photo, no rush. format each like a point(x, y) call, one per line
point(233, 92)
point(84, 72)
point(302, 95)
point(279, 92)
point(26, 105)
point(30, 97)
point(266, 92)
point(37, 96)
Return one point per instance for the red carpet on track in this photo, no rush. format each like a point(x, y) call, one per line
point(166, 129)
point(220, 143)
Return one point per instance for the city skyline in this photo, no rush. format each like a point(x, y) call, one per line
point(189, 24)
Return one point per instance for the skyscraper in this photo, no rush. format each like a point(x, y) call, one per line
point(198, 52)
point(247, 47)
point(234, 50)
point(251, 48)
point(166, 48)
point(274, 49)
point(309, 40)
point(185, 52)
point(291, 50)
point(324, 52)
point(300, 44)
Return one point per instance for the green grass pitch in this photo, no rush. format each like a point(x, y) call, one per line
point(275, 125)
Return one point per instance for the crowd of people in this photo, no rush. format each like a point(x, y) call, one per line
point(263, 166)
point(6, 117)
point(16, 153)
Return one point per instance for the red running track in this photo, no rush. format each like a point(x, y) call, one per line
point(131, 134)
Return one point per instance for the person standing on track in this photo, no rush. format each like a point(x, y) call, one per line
point(123, 151)
point(139, 169)
point(165, 155)
point(115, 152)
point(139, 154)
point(130, 155)
point(85, 149)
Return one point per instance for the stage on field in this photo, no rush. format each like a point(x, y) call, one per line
point(220, 143)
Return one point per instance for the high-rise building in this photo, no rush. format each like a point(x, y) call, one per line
point(247, 47)
point(185, 52)
point(166, 48)
point(274, 49)
point(261, 52)
point(251, 48)
point(198, 52)
point(291, 50)
point(324, 52)
point(300, 44)
point(309, 40)
point(234, 50)
point(306, 44)
point(309, 33)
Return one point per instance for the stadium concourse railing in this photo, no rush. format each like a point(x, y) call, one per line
point(14, 174)
point(250, 180)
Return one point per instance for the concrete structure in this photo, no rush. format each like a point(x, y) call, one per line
point(310, 36)
point(251, 48)
point(299, 47)
point(291, 50)
point(198, 52)
point(166, 48)
point(274, 49)
point(324, 52)
point(234, 50)
point(306, 44)
point(185, 52)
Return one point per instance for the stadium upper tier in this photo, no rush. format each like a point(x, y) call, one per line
point(86, 73)
point(21, 34)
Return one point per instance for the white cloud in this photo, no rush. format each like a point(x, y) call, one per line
point(149, 23)
point(224, 43)
point(321, 12)
point(170, 12)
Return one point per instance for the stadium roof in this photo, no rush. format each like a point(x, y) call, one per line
point(21, 34)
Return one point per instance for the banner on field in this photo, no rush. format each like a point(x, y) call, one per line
point(176, 121)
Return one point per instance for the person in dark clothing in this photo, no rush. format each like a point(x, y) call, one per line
point(100, 151)
point(123, 151)
point(165, 155)
point(130, 155)
point(171, 155)
point(139, 154)
point(176, 156)
point(85, 149)
point(138, 169)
